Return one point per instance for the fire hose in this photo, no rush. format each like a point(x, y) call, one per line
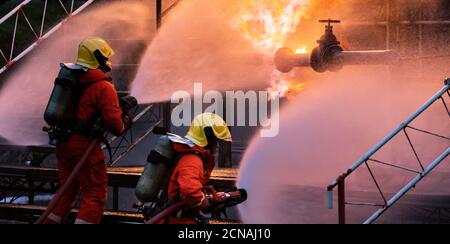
point(68, 183)
point(126, 104)
point(165, 213)
point(230, 199)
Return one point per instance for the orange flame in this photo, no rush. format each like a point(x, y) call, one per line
point(302, 50)
point(267, 25)
point(284, 88)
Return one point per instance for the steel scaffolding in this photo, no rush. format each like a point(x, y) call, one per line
point(39, 34)
point(369, 158)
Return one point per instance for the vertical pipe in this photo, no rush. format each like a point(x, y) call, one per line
point(341, 200)
point(330, 198)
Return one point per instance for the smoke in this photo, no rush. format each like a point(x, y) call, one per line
point(197, 44)
point(329, 126)
point(339, 117)
point(28, 87)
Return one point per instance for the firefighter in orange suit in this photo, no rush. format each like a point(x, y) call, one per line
point(98, 101)
point(195, 166)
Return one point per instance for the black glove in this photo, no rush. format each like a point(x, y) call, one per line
point(127, 122)
point(127, 103)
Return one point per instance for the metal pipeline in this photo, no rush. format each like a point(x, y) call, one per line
point(375, 57)
point(332, 60)
point(330, 56)
point(286, 60)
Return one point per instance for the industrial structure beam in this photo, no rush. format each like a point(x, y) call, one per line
point(12, 58)
point(368, 157)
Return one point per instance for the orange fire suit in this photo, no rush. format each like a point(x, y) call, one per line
point(98, 100)
point(187, 182)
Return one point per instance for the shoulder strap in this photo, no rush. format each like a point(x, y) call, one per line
point(92, 126)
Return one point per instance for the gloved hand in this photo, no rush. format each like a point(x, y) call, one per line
point(218, 198)
point(214, 201)
point(222, 200)
point(127, 122)
point(127, 103)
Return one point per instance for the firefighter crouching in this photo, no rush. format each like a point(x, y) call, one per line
point(179, 169)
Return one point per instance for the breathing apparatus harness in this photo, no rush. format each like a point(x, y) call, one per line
point(163, 153)
point(153, 186)
point(61, 110)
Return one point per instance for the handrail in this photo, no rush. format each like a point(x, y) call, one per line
point(340, 181)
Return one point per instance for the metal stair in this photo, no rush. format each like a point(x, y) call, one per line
point(368, 159)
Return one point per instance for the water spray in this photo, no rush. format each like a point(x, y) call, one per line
point(330, 56)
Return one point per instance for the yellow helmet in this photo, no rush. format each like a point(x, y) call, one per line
point(94, 52)
point(197, 133)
